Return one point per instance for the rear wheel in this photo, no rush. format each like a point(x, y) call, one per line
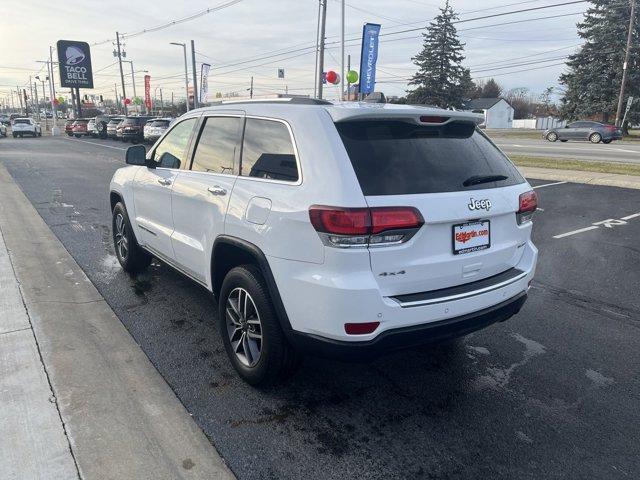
point(552, 136)
point(131, 256)
point(250, 330)
point(595, 137)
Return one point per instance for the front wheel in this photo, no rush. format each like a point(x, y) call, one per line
point(595, 138)
point(131, 256)
point(552, 136)
point(606, 142)
point(250, 330)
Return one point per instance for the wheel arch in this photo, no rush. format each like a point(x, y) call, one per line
point(114, 198)
point(229, 252)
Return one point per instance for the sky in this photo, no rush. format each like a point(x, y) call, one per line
point(234, 38)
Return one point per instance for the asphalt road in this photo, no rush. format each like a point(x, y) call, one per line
point(552, 393)
point(614, 152)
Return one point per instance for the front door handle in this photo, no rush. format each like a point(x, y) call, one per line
point(164, 181)
point(217, 190)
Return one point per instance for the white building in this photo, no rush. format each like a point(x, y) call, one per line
point(498, 113)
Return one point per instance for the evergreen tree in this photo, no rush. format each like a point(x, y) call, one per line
point(595, 72)
point(441, 79)
point(491, 89)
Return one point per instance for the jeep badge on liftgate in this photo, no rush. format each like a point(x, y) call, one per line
point(484, 204)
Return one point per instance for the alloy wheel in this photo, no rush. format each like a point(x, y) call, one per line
point(121, 237)
point(244, 327)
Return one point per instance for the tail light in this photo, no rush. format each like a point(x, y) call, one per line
point(365, 227)
point(360, 328)
point(528, 204)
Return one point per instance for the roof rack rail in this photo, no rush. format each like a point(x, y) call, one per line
point(287, 100)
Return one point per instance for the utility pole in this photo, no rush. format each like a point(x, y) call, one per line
point(195, 75)
point(315, 80)
point(31, 95)
point(38, 106)
point(19, 98)
point(52, 87)
point(342, 54)
point(251, 89)
point(625, 68)
point(161, 102)
point(124, 93)
point(323, 22)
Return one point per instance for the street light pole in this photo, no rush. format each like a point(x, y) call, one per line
point(342, 54)
point(186, 70)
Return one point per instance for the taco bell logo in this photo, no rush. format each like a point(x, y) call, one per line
point(74, 55)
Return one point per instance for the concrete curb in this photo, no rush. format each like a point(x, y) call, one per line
point(122, 419)
point(575, 176)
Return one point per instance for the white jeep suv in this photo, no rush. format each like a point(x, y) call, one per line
point(344, 230)
point(25, 126)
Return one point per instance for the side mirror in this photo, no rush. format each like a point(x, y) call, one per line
point(136, 155)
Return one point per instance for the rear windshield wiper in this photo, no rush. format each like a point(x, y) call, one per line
point(478, 179)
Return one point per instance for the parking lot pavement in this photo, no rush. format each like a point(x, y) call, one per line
point(614, 152)
point(552, 393)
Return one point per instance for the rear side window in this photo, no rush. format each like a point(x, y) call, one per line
point(398, 158)
point(218, 144)
point(267, 151)
point(171, 152)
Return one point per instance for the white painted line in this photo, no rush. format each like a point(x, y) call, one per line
point(549, 184)
point(629, 217)
point(581, 230)
point(96, 144)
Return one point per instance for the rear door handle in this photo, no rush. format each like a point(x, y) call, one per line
point(164, 181)
point(217, 190)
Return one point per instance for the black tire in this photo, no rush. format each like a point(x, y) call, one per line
point(552, 136)
point(132, 257)
point(606, 142)
point(563, 141)
point(15, 135)
point(276, 359)
point(40, 133)
point(595, 137)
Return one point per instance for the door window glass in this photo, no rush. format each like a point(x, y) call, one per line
point(218, 144)
point(172, 151)
point(268, 151)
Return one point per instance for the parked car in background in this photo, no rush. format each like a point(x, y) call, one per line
point(4, 119)
point(133, 129)
point(155, 128)
point(68, 127)
point(399, 252)
point(91, 128)
point(25, 126)
point(80, 127)
point(3, 130)
point(112, 125)
point(595, 132)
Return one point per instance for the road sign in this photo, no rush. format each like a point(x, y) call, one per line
point(629, 102)
point(75, 64)
point(281, 73)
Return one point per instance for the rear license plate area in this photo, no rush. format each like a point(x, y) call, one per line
point(471, 237)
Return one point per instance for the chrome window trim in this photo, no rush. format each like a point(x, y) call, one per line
point(295, 153)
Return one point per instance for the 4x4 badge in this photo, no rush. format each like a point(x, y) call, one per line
point(484, 204)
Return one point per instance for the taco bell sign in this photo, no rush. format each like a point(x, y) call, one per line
point(369, 57)
point(74, 60)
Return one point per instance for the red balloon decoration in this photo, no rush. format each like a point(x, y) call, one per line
point(127, 101)
point(332, 76)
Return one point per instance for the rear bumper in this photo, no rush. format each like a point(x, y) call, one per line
point(407, 337)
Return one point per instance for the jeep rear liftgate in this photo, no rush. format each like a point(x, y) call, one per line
point(463, 187)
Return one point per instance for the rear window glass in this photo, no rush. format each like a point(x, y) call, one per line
point(397, 158)
point(131, 121)
point(22, 120)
